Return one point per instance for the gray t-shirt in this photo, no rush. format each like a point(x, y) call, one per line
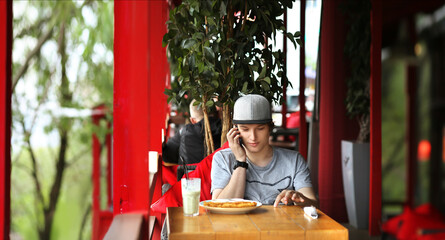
point(287, 170)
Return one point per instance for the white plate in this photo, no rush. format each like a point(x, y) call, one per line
point(230, 210)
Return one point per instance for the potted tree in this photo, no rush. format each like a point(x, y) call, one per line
point(355, 154)
point(220, 49)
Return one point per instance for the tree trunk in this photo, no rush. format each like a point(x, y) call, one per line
point(226, 123)
point(209, 146)
point(363, 135)
point(64, 127)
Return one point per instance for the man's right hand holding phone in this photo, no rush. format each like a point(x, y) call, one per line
point(234, 138)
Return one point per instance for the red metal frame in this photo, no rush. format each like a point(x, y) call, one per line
point(375, 174)
point(303, 139)
point(156, 219)
point(101, 217)
point(5, 115)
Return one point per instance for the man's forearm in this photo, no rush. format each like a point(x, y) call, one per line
point(236, 186)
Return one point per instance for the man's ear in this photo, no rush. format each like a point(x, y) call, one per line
point(193, 120)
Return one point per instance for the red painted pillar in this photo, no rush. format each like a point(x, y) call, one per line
point(375, 147)
point(5, 116)
point(302, 141)
point(140, 106)
point(131, 111)
point(159, 72)
point(334, 124)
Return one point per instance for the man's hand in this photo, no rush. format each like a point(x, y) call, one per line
point(289, 196)
point(233, 137)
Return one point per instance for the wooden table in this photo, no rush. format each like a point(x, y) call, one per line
point(266, 222)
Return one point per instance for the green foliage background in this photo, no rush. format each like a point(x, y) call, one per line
point(39, 109)
point(393, 130)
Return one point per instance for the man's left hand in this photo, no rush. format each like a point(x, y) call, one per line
point(289, 196)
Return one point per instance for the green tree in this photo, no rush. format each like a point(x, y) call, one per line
point(62, 67)
point(221, 49)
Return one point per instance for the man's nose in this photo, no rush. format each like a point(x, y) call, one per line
point(253, 134)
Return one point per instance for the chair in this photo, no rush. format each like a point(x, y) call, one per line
point(173, 197)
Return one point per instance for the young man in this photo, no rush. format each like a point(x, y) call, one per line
point(255, 170)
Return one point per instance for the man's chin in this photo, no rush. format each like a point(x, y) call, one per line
point(254, 149)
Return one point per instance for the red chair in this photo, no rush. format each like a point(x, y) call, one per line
point(173, 197)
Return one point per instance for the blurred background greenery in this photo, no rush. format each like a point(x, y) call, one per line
point(62, 68)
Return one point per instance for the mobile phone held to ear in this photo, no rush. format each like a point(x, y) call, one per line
point(240, 140)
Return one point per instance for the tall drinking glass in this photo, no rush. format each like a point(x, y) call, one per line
point(191, 190)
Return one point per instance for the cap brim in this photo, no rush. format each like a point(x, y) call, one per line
point(252, 121)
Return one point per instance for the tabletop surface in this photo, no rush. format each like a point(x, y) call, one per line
point(265, 222)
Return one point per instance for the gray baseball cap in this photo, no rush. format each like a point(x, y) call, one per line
point(252, 109)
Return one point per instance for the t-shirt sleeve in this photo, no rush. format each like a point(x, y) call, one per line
point(302, 176)
point(220, 173)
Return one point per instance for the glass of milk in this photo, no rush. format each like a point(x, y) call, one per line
point(191, 190)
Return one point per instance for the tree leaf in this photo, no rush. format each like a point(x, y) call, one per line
point(245, 84)
point(291, 38)
point(239, 73)
point(222, 9)
point(209, 54)
point(209, 103)
point(188, 43)
point(263, 72)
point(198, 35)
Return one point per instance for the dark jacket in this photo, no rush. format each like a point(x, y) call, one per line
point(189, 142)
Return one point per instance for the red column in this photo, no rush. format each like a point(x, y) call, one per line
point(140, 106)
point(375, 147)
point(158, 72)
point(302, 141)
point(334, 125)
point(5, 116)
point(131, 111)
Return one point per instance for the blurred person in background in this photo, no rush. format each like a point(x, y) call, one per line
point(188, 143)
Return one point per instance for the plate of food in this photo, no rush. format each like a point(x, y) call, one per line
point(230, 206)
